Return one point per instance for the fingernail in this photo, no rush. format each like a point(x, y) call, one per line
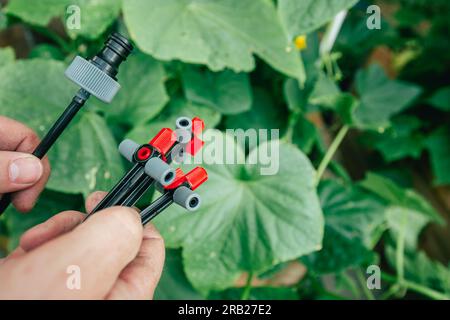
point(25, 170)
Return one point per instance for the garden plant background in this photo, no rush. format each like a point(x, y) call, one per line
point(364, 124)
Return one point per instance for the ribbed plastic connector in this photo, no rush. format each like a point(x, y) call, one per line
point(92, 79)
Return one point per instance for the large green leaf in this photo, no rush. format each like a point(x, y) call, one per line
point(178, 107)
point(49, 204)
point(248, 221)
point(408, 212)
point(142, 95)
point(173, 284)
point(85, 157)
point(303, 16)
point(354, 221)
point(96, 15)
point(221, 34)
point(381, 98)
point(226, 91)
point(438, 145)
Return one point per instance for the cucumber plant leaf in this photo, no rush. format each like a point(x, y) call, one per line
point(407, 212)
point(248, 222)
point(264, 114)
point(354, 222)
point(227, 92)
point(402, 139)
point(221, 34)
point(419, 268)
point(438, 145)
point(85, 157)
point(95, 15)
point(142, 95)
point(381, 98)
point(305, 135)
point(302, 17)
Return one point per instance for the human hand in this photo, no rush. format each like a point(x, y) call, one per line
point(21, 172)
point(116, 257)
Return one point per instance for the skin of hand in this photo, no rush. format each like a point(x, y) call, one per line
point(117, 257)
point(21, 172)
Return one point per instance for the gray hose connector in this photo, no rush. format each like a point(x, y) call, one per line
point(187, 198)
point(127, 149)
point(92, 79)
point(160, 171)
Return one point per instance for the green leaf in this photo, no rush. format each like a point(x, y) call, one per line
point(408, 212)
point(248, 221)
point(295, 97)
point(7, 56)
point(438, 145)
point(85, 157)
point(258, 293)
point(178, 107)
point(441, 99)
point(94, 164)
point(419, 268)
point(305, 135)
point(264, 114)
point(302, 17)
point(227, 92)
point(221, 34)
point(399, 141)
point(49, 204)
point(173, 284)
point(325, 91)
point(142, 95)
point(381, 98)
point(354, 221)
point(96, 15)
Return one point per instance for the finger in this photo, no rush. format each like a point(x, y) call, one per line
point(93, 200)
point(94, 254)
point(18, 171)
point(25, 200)
point(50, 229)
point(139, 279)
point(18, 137)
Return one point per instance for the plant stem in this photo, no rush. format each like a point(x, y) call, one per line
point(292, 121)
point(431, 293)
point(400, 252)
point(330, 152)
point(248, 287)
point(363, 284)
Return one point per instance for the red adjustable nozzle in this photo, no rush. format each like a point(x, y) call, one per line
point(194, 178)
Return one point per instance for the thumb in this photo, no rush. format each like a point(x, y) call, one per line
point(18, 171)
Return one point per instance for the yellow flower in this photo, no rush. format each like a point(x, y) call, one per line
point(300, 42)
